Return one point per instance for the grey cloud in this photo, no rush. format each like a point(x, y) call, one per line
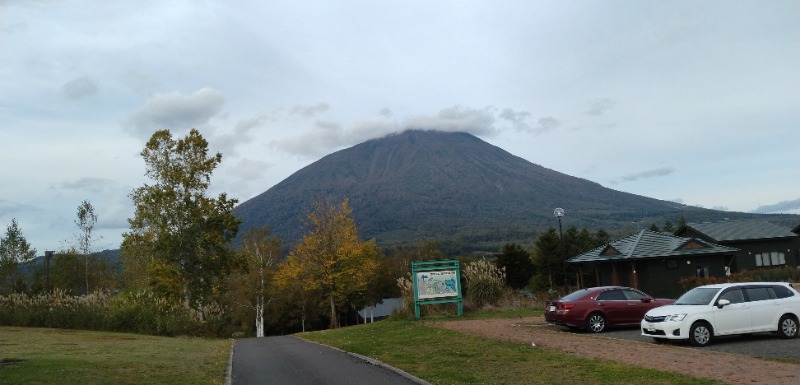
point(325, 137)
point(94, 185)
point(599, 106)
point(175, 111)
point(321, 139)
point(250, 170)
point(79, 88)
point(242, 134)
point(310, 111)
point(140, 82)
point(658, 172)
point(780, 207)
point(385, 112)
point(8, 209)
point(517, 119)
point(456, 119)
point(546, 124)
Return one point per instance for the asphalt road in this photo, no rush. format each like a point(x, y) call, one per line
point(291, 360)
point(762, 345)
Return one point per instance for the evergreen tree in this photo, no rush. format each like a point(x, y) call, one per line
point(518, 265)
point(547, 260)
point(14, 252)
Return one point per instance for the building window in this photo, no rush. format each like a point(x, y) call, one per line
point(701, 271)
point(774, 258)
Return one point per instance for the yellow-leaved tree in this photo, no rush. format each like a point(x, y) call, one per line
point(331, 258)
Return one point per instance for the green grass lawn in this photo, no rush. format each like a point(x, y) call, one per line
point(447, 357)
point(55, 356)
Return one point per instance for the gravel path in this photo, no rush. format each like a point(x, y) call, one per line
point(729, 368)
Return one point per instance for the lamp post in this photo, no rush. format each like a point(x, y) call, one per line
point(559, 212)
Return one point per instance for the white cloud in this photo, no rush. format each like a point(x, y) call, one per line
point(176, 112)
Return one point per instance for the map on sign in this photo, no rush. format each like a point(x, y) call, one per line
point(436, 284)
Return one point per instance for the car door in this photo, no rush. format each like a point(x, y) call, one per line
point(613, 304)
point(636, 307)
point(732, 318)
point(764, 306)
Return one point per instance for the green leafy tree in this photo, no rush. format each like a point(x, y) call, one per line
point(331, 257)
point(179, 238)
point(668, 227)
point(14, 251)
point(67, 270)
point(517, 264)
point(86, 220)
point(261, 251)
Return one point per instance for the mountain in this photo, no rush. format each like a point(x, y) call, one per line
point(456, 189)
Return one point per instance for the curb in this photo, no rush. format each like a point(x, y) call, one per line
point(373, 362)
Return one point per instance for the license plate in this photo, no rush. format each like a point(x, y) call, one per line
point(551, 309)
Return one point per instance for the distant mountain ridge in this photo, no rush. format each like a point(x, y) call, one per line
point(454, 188)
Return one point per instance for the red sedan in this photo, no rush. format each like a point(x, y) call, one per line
point(598, 308)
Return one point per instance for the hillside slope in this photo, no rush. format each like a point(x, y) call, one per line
point(417, 185)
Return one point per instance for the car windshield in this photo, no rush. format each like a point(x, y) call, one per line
point(697, 296)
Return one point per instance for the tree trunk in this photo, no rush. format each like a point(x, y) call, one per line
point(333, 313)
point(260, 317)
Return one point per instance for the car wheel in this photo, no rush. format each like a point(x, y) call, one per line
point(787, 327)
point(700, 334)
point(596, 323)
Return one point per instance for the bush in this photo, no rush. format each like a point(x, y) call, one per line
point(485, 282)
point(139, 312)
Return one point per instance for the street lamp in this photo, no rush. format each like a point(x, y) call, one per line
point(559, 212)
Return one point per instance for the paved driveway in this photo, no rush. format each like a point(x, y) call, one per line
point(291, 360)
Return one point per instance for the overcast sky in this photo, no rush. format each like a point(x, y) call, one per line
point(696, 102)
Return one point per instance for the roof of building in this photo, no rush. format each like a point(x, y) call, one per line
point(739, 230)
point(650, 244)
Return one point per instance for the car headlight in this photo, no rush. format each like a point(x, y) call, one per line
point(675, 317)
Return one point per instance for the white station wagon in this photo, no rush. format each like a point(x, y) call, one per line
point(726, 309)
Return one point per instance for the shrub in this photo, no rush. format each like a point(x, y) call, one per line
point(136, 312)
point(485, 282)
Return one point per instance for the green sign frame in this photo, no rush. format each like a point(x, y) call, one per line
point(436, 281)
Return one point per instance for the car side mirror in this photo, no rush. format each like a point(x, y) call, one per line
point(722, 303)
point(647, 299)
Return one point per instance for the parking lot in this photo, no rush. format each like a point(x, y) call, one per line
point(761, 345)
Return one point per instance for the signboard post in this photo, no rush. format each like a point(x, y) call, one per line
point(436, 282)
